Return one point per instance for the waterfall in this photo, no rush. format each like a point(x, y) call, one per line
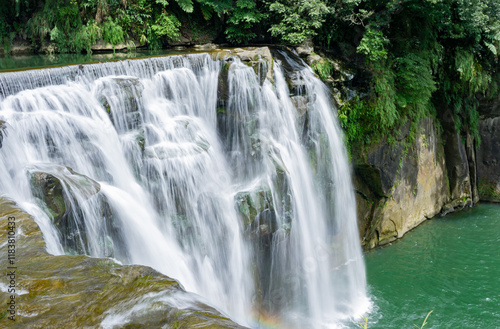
point(235, 185)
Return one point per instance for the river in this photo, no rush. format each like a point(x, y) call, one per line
point(450, 265)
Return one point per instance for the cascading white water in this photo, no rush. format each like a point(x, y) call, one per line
point(173, 161)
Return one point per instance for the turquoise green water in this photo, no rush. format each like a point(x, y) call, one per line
point(450, 265)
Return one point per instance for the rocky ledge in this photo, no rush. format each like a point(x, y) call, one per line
point(81, 292)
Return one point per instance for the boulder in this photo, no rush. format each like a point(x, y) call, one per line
point(305, 48)
point(182, 41)
point(47, 186)
point(107, 295)
point(49, 190)
point(313, 59)
point(100, 45)
point(256, 57)
point(304, 51)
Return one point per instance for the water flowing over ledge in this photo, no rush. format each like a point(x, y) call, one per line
point(203, 169)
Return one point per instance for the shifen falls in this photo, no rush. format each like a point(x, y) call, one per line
point(225, 171)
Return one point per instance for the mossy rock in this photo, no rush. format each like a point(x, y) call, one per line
point(48, 187)
point(58, 189)
point(80, 292)
point(250, 203)
point(489, 190)
point(50, 191)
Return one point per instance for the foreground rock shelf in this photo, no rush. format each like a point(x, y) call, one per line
point(81, 292)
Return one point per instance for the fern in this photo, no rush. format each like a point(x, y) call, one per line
point(112, 33)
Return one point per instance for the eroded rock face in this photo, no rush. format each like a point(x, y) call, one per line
point(395, 193)
point(81, 292)
point(488, 160)
point(458, 169)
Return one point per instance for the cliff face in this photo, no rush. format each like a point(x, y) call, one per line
point(398, 186)
point(488, 154)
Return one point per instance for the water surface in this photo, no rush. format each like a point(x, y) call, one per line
point(450, 265)
point(24, 62)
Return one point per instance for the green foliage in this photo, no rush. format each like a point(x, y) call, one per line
point(298, 20)
point(112, 32)
point(241, 23)
point(323, 68)
point(372, 45)
point(166, 25)
point(414, 84)
point(355, 121)
point(364, 324)
point(422, 57)
point(186, 5)
point(441, 55)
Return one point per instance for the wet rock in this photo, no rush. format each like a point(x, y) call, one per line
point(300, 103)
point(223, 86)
point(255, 57)
point(3, 127)
point(250, 204)
point(124, 107)
point(50, 288)
point(265, 223)
point(60, 191)
point(49, 189)
point(457, 165)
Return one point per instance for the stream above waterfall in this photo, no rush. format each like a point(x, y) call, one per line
point(25, 62)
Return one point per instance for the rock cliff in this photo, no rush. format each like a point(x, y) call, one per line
point(400, 185)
